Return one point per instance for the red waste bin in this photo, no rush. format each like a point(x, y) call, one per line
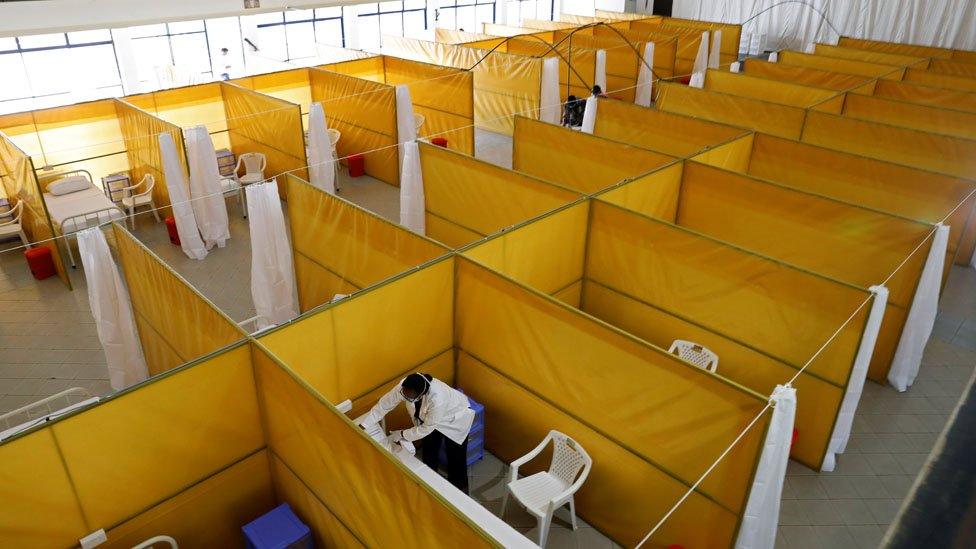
point(357, 165)
point(439, 141)
point(40, 261)
point(174, 234)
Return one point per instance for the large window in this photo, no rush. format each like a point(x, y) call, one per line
point(466, 15)
point(55, 69)
point(520, 10)
point(172, 52)
point(406, 18)
point(294, 34)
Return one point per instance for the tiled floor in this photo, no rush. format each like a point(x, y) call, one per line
point(493, 147)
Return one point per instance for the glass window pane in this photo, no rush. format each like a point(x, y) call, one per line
point(15, 83)
point(485, 14)
point(190, 52)
point(466, 18)
point(369, 32)
point(45, 71)
point(97, 66)
point(151, 53)
point(186, 26)
point(329, 32)
point(87, 37)
point(147, 30)
point(298, 15)
point(8, 44)
point(271, 41)
point(328, 12)
point(391, 6)
point(414, 23)
point(391, 24)
point(368, 8)
point(415, 4)
point(301, 40)
point(265, 18)
point(446, 19)
point(42, 41)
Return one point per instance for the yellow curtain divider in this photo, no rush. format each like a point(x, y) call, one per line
point(141, 132)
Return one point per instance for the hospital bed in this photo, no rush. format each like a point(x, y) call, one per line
point(44, 410)
point(78, 210)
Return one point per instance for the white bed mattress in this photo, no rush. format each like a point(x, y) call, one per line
point(89, 200)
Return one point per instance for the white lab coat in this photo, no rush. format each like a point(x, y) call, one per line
point(443, 408)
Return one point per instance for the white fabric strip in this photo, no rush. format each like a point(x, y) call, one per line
point(110, 305)
point(272, 270)
point(715, 53)
point(549, 105)
point(208, 203)
point(600, 70)
point(921, 314)
point(761, 517)
point(855, 385)
point(735, 67)
point(321, 155)
point(701, 59)
point(589, 115)
point(645, 77)
point(406, 125)
point(774, 57)
point(186, 223)
point(412, 202)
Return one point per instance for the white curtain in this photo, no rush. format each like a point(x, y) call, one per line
point(921, 314)
point(272, 270)
point(412, 204)
point(589, 115)
point(947, 23)
point(110, 305)
point(600, 70)
point(761, 517)
point(208, 203)
point(645, 77)
point(855, 386)
point(774, 57)
point(735, 67)
point(406, 126)
point(701, 63)
point(549, 106)
point(320, 150)
point(714, 54)
point(186, 223)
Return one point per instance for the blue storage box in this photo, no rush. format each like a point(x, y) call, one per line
point(279, 528)
point(476, 437)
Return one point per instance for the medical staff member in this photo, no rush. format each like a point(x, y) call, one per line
point(440, 414)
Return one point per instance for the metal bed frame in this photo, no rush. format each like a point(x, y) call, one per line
point(84, 220)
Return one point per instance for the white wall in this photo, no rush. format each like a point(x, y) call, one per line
point(23, 18)
point(947, 23)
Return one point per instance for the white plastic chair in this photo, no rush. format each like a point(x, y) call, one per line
point(544, 492)
point(418, 121)
point(14, 227)
point(700, 356)
point(131, 202)
point(254, 165)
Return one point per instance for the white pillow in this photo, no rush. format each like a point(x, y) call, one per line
point(69, 184)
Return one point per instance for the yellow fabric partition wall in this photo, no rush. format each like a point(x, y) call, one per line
point(914, 62)
point(687, 42)
point(926, 95)
point(20, 186)
point(622, 65)
point(504, 84)
point(665, 46)
point(810, 77)
point(176, 323)
point(267, 125)
point(940, 153)
point(188, 106)
point(731, 34)
point(531, 361)
point(449, 36)
point(181, 454)
point(773, 91)
point(941, 80)
point(443, 95)
point(291, 85)
point(744, 112)
point(620, 16)
point(364, 111)
point(577, 65)
point(954, 68)
point(883, 186)
point(468, 199)
point(837, 64)
point(542, 24)
point(576, 160)
point(492, 29)
point(340, 248)
point(909, 49)
point(911, 115)
point(651, 278)
point(660, 131)
point(141, 132)
point(800, 229)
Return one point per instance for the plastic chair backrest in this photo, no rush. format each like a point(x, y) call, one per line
point(700, 356)
point(418, 120)
point(334, 136)
point(253, 162)
point(568, 458)
point(150, 182)
point(15, 213)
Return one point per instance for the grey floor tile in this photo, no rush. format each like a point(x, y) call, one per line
point(883, 464)
point(800, 537)
point(838, 537)
point(838, 487)
point(884, 510)
point(791, 514)
point(820, 512)
point(806, 487)
point(853, 511)
point(869, 487)
point(867, 536)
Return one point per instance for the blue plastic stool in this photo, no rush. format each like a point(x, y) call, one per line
point(279, 528)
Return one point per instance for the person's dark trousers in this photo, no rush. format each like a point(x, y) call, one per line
point(457, 458)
